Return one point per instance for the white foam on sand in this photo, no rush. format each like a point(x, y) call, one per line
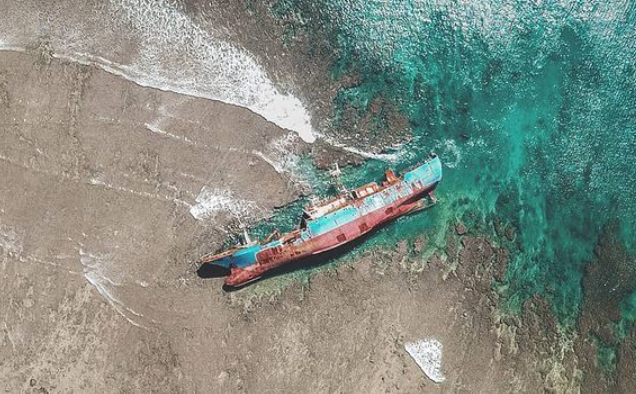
point(5, 46)
point(173, 52)
point(208, 66)
point(212, 201)
point(427, 353)
point(10, 240)
point(279, 154)
point(97, 273)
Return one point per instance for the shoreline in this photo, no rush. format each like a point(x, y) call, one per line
point(98, 244)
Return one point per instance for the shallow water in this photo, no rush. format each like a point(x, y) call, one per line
point(531, 105)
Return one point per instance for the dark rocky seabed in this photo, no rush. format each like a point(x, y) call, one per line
point(532, 107)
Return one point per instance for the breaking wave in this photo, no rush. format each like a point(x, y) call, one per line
point(207, 66)
point(156, 44)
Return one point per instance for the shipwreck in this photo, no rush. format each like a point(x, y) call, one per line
point(326, 225)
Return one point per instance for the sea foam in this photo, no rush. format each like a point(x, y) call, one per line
point(177, 54)
point(156, 44)
point(212, 201)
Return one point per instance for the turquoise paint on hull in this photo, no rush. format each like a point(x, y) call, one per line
point(428, 173)
point(241, 259)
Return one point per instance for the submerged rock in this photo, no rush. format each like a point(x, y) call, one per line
point(460, 229)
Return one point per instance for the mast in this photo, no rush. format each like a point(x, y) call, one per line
point(337, 182)
point(246, 237)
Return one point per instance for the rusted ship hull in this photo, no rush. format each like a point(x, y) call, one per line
point(335, 223)
point(268, 260)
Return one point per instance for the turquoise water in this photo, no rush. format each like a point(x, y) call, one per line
point(531, 105)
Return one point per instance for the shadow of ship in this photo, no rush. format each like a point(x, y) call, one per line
point(207, 271)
